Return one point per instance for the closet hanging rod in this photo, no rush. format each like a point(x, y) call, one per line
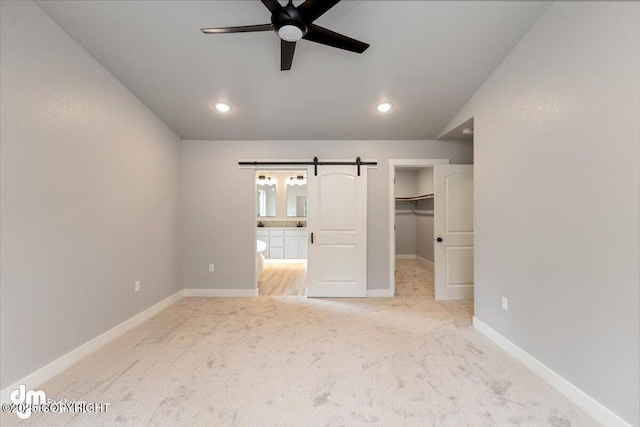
point(314, 163)
point(414, 198)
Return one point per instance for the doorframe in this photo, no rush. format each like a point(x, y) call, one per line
point(393, 164)
point(275, 168)
point(282, 168)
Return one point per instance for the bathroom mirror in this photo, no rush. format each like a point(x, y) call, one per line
point(266, 195)
point(297, 196)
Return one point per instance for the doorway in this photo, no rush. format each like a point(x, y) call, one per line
point(336, 211)
point(411, 213)
point(281, 232)
point(438, 198)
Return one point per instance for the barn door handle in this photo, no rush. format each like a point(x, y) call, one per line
point(312, 238)
point(439, 239)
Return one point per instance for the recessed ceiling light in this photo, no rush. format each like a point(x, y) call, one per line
point(467, 131)
point(383, 107)
point(222, 107)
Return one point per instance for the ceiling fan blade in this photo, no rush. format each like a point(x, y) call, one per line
point(272, 5)
point(321, 35)
point(242, 29)
point(313, 9)
point(286, 54)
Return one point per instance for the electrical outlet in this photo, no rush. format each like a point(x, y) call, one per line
point(137, 286)
point(212, 268)
point(505, 304)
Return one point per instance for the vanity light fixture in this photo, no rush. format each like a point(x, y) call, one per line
point(467, 131)
point(297, 180)
point(222, 107)
point(383, 107)
point(265, 180)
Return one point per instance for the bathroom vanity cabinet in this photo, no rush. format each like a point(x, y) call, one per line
point(284, 243)
point(295, 244)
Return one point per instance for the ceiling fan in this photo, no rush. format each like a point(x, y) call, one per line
point(292, 23)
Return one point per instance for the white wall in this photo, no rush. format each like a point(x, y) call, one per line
point(557, 198)
point(90, 196)
point(219, 218)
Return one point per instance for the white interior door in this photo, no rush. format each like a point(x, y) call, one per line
point(337, 227)
point(453, 219)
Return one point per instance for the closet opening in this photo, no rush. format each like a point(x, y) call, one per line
point(411, 225)
point(414, 230)
point(431, 228)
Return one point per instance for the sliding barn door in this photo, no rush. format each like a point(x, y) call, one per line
point(337, 226)
point(453, 223)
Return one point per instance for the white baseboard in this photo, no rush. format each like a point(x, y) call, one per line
point(245, 293)
point(573, 393)
point(414, 256)
point(424, 260)
point(379, 293)
point(47, 372)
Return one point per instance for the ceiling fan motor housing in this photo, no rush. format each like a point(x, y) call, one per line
point(288, 15)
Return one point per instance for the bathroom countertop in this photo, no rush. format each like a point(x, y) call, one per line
point(281, 228)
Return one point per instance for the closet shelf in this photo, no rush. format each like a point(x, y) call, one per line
point(414, 198)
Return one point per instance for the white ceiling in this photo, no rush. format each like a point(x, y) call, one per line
point(426, 57)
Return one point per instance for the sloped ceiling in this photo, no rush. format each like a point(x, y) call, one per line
point(426, 57)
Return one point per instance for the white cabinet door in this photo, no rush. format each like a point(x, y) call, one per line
point(337, 223)
point(453, 224)
point(291, 248)
point(302, 247)
point(276, 241)
point(276, 253)
point(295, 244)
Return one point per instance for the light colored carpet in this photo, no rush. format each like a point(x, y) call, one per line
point(292, 361)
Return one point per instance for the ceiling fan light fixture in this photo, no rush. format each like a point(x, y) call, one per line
point(290, 33)
point(222, 107)
point(383, 107)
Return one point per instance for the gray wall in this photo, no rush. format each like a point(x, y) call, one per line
point(406, 183)
point(219, 218)
point(90, 196)
point(557, 198)
point(424, 221)
point(405, 230)
point(406, 186)
point(414, 231)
